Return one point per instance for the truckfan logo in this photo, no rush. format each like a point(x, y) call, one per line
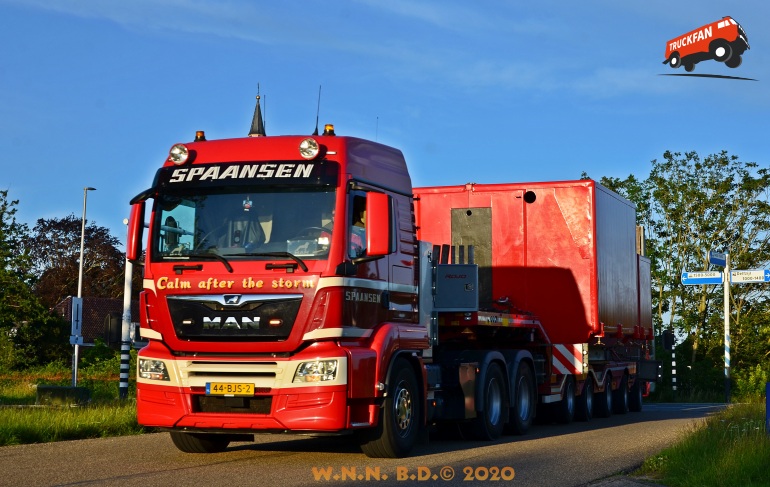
point(723, 41)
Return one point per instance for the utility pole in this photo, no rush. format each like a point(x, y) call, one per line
point(727, 327)
point(77, 311)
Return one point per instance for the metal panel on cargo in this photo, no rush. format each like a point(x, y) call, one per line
point(457, 287)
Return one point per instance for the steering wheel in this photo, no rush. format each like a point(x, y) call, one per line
point(206, 236)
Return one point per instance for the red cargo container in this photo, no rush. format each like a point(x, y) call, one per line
point(561, 250)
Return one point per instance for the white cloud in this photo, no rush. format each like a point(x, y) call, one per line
point(460, 45)
point(224, 18)
point(444, 15)
point(612, 82)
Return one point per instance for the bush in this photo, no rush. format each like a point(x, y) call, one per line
point(38, 342)
point(100, 357)
point(751, 382)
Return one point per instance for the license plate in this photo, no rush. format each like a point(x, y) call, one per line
point(229, 389)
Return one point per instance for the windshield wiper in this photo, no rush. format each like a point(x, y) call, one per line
point(213, 257)
point(278, 254)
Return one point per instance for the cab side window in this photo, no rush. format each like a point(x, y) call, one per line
point(176, 221)
point(357, 224)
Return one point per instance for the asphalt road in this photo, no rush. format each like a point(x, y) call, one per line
point(550, 455)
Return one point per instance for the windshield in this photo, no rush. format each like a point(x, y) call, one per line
point(243, 221)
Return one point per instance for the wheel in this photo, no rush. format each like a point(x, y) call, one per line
point(488, 425)
point(734, 62)
point(585, 403)
point(603, 400)
point(565, 409)
point(199, 442)
point(397, 430)
point(674, 60)
point(721, 50)
point(635, 396)
point(620, 396)
point(689, 67)
point(522, 412)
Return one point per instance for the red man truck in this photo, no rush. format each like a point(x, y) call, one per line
point(290, 286)
point(724, 41)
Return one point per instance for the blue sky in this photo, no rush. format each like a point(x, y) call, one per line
point(95, 92)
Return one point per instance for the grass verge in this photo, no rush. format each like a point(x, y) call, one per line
point(730, 448)
point(23, 422)
point(40, 425)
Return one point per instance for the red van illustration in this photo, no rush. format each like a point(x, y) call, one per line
point(724, 41)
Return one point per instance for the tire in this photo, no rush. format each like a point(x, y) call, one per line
point(674, 60)
point(564, 411)
point(734, 62)
point(603, 400)
point(721, 50)
point(689, 67)
point(524, 401)
point(585, 402)
point(199, 442)
point(620, 397)
point(398, 428)
point(635, 396)
point(489, 424)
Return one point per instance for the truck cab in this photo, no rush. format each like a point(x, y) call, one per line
point(274, 268)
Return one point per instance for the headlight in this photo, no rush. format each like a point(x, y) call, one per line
point(308, 149)
point(178, 154)
point(316, 371)
point(152, 369)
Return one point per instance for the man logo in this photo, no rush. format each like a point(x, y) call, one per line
point(232, 299)
point(230, 323)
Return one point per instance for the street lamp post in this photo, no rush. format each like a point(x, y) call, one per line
point(80, 284)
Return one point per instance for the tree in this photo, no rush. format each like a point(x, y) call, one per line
point(29, 334)
point(717, 203)
point(689, 206)
point(54, 247)
point(17, 302)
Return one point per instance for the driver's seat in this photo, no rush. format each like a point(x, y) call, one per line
point(242, 230)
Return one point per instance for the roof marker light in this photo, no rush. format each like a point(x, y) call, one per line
point(308, 148)
point(329, 129)
point(200, 136)
point(178, 154)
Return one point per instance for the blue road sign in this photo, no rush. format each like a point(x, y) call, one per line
point(717, 258)
point(698, 278)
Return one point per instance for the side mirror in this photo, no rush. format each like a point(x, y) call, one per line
point(135, 232)
point(378, 224)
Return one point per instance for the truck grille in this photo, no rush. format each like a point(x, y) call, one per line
point(233, 405)
point(234, 317)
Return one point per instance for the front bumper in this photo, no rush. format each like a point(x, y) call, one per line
point(315, 409)
point(278, 404)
